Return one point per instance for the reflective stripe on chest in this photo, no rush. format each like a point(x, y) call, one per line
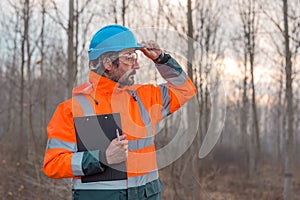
point(133, 144)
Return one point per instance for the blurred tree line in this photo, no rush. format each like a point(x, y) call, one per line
point(248, 47)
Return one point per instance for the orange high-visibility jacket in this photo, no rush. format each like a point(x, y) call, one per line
point(140, 107)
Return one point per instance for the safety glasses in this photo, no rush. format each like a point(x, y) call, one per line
point(129, 58)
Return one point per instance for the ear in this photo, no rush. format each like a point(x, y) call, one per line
point(107, 64)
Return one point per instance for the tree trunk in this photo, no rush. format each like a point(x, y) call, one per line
point(244, 121)
point(190, 54)
point(279, 119)
point(255, 116)
point(247, 11)
point(190, 57)
point(11, 125)
point(71, 67)
point(288, 187)
point(76, 20)
point(157, 24)
point(44, 80)
point(115, 11)
point(251, 37)
point(29, 90)
point(123, 12)
point(22, 141)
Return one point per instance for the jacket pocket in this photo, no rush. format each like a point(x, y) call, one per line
point(153, 188)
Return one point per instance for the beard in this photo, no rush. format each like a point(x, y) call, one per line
point(127, 78)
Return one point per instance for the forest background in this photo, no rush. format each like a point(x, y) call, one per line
point(243, 56)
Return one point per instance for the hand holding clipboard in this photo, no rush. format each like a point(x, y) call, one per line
point(117, 151)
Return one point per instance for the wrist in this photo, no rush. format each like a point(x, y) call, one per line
point(103, 157)
point(162, 58)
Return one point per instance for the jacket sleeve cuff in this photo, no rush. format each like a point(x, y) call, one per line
point(162, 58)
point(172, 72)
point(91, 164)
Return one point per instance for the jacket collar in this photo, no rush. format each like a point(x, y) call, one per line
point(96, 84)
point(102, 84)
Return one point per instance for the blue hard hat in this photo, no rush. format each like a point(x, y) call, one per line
point(111, 38)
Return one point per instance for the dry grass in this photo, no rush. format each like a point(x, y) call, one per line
point(19, 181)
point(232, 183)
point(217, 180)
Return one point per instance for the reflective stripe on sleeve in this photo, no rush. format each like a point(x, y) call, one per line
point(116, 185)
point(77, 164)
point(172, 72)
point(54, 143)
point(179, 80)
point(165, 100)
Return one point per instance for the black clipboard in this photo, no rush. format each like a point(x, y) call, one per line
point(95, 133)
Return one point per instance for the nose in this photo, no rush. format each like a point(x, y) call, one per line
point(136, 65)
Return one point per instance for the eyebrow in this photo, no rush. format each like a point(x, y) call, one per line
point(129, 51)
point(122, 53)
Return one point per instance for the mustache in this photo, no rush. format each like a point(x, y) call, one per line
point(133, 72)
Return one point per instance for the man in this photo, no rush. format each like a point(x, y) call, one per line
point(102, 137)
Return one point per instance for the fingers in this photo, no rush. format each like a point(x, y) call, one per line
point(150, 45)
point(125, 147)
point(151, 49)
point(122, 144)
point(117, 151)
point(122, 137)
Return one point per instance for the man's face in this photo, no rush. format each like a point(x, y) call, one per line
point(128, 65)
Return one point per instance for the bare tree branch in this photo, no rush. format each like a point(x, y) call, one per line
point(56, 19)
